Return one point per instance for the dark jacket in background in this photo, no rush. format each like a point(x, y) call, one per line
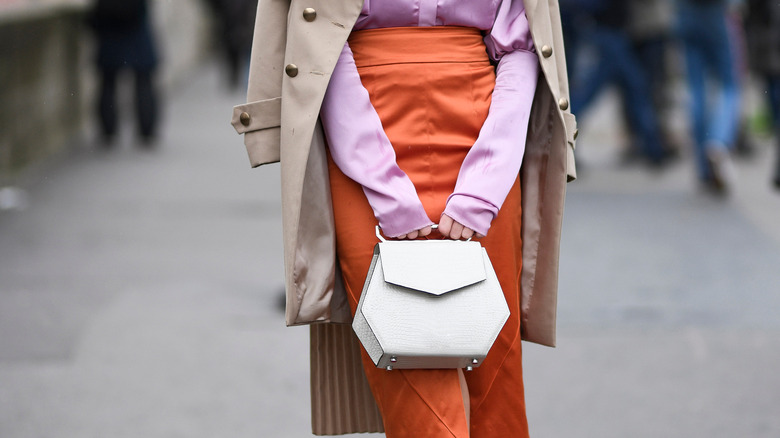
point(124, 34)
point(613, 14)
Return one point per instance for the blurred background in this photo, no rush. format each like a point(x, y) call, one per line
point(140, 256)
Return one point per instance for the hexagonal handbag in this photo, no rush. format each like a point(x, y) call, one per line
point(430, 304)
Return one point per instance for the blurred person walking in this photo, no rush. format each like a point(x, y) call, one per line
point(125, 42)
point(618, 63)
point(710, 65)
point(763, 37)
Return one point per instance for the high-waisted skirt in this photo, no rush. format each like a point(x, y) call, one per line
point(432, 88)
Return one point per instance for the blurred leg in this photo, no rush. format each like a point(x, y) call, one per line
point(234, 55)
point(721, 124)
point(146, 104)
point(651, 56)
point(107, 111)
point(593, 81)
point(636, 86)
point(773, 84)
point(718, 51)
point(570, 39)
point(773, 91)
point(696, 86)
point(776, 176)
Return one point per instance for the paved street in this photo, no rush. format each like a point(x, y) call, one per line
point(139, 296)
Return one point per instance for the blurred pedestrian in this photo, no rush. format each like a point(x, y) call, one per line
point(763, 34)
point(709, 59)
point(235, 20)
point(618, 64)
point(125, 43)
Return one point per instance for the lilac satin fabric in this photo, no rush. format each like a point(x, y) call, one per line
point(361, 149)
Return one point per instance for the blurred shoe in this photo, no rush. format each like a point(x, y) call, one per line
point(107, 142)
point(708, 186)
point(630, 155)
point(722, 172)
point(744, 146)
point(147, 142)
point(663, 161)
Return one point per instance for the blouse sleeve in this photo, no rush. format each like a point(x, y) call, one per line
point(360, 148)
point(493, 163)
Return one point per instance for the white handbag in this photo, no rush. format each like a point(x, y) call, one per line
point(429, 304)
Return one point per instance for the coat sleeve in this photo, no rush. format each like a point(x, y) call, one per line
point(259, 119)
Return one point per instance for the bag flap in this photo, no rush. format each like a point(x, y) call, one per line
point(432, 266)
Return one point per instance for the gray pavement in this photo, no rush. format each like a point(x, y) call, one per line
point(139, 296)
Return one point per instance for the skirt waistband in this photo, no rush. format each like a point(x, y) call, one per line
point(397, 45)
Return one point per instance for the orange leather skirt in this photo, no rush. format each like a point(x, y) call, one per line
point(431, 88)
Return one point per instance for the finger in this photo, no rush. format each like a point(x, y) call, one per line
point(467, 233)
point(479, 236)
point(456, 231)
point(425, 231)
point(412, 235)
point(445, 223)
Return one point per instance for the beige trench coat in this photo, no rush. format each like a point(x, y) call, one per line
point(296, 46)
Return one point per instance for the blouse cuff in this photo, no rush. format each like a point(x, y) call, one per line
point(399, 215)
point(472, 212)
point(398, 218)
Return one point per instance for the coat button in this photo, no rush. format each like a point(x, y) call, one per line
point(291, 70)
point(309, 14)
point(245, 118)
point(563, 103)
point(546, 51)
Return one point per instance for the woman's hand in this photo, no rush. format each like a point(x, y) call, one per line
point(455, 230)
point(422, 232)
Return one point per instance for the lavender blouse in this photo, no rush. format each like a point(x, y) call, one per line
point(357, 141)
